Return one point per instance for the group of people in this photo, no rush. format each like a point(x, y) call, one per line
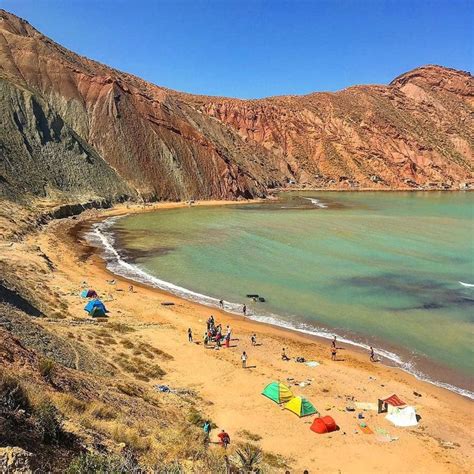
point(224, 438)
point(215, 334)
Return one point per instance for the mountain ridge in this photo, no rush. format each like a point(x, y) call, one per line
point(75, 129)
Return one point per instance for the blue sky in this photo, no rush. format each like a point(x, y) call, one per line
point(253, 48)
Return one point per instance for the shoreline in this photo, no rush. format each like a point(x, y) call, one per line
point(133, 274)
point(117, 266)
point(230, 396)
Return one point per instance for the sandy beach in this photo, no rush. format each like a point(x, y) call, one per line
point(442, 442)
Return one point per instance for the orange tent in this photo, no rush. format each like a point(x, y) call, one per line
point(326, 424)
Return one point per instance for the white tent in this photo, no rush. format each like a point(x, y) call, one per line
point(403, 416)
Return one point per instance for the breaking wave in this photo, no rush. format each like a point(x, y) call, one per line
point(100, 235)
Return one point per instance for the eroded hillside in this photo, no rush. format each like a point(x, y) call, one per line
point(75, 130)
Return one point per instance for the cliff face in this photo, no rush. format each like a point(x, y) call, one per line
point(416, 131)
point(72, 128)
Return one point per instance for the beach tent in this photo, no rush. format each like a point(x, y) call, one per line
point(84, 293)
point(403, 416)
point(278, 392)
point(390, 403)
point(326, 424)
point(301, 406)
point(95, 308)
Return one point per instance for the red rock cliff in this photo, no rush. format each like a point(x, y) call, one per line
point(74, 127)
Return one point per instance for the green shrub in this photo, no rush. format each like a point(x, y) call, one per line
point(89, 463)
point(46, 367)
point(248, 457)
point(49, 422)
point(13, 396)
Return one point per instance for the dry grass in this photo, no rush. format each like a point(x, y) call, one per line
point(131, 438)
point(70, 405)
point(127, 344)
point(139, 368)
point(102, 411)
point(120, 328)
point(249, 435)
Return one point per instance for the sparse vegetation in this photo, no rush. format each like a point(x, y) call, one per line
point(127, 344)
point(93, 463)
point(103, 411)
point(248, 435)
point(71, 405)
point(131, 438)
point(49, 422)
point(13, 395)
point(120, 328)
point(46, 368)
point(248, 457)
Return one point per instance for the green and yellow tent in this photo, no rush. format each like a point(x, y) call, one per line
point(278, 392)
point(301, 406)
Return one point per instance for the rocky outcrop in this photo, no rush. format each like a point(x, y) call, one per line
point(75, 130)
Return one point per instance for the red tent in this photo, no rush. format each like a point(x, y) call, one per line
point(326, 424)
point(91, 294)
point(392, 400)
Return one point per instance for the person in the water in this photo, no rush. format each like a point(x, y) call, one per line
point(244, 309)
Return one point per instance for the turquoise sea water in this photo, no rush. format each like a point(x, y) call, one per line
point(374, 268)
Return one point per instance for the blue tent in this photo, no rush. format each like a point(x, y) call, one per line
point(95, 308)
point(84, 293)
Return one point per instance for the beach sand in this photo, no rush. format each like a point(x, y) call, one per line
point(442, 442)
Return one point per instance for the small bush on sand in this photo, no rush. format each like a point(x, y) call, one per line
point(13, 395)
point(46, 368)
point(127, 344)
point(248, 457)
point(49, 422)
point(276, 461)
point(120, 328)
point(248, 435)
point(195, 418)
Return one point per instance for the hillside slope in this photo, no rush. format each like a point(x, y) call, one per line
point(74, 130)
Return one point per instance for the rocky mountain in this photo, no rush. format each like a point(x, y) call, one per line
point(72, 129)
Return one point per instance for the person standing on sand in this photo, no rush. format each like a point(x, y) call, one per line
point(244, 360)
point(334, 343)
point(253, 339)
point(224, 439)
point(333, 353)
point(372, 355)
point(221, 304)
point(244, 309)
point(207, 430)
point(190, 335)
